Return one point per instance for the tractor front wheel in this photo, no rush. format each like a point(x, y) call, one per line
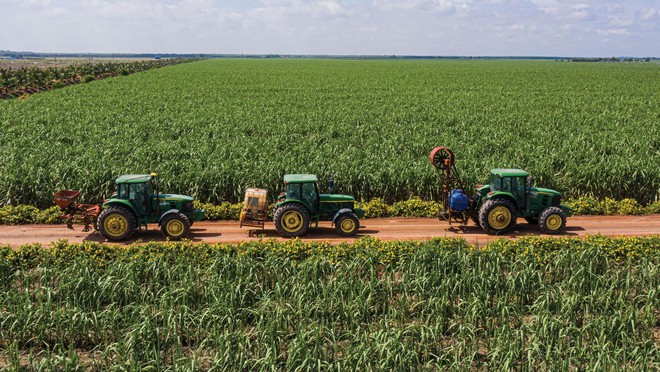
point(497, 216)
point(291, 220)
point(175, 226)
point(347, 224)
point(116, 223)
point(552, 220)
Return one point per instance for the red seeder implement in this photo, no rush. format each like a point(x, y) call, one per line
point(75, 212)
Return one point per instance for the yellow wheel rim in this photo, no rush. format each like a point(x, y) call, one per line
point(347, 225)
point(292, 221)
point(499, 217)
point(174, 228)
point(115, 225)
point(553, 222)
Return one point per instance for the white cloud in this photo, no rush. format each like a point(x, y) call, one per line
point(299, 7)
point(441, 6)
point(621, 21)
point(580, 12)
point(649, 15)
point(613, 31)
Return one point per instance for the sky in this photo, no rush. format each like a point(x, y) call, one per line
point(586, 28)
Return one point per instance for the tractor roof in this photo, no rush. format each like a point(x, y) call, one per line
point(509, 172)
point(133, 178)
point(300, 178)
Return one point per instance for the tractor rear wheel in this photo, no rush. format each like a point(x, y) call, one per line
point(116, 223)
point(475, 218)
point(497, 216)
point(175, 226)
point(552, 220)
point(347, 224)
point(291, 220)
point(475, 203)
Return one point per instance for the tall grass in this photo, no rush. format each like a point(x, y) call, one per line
point(439, 304)
point(214, 127)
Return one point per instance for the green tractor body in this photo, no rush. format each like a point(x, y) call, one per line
point(137, 202)
point(509, 195)
point(301, 204)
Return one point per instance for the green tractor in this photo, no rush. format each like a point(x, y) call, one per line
point(301, 204)
point(137, 202)
point(509, 195)
point(495, 207)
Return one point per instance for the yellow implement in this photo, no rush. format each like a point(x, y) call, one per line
point(255, 208)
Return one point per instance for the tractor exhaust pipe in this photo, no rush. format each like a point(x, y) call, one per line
point(331, 185)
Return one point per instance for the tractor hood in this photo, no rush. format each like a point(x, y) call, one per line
point(541, 190)
point(335, 198)
point(183, 198)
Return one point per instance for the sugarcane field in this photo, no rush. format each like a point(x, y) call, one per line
point(248, 211)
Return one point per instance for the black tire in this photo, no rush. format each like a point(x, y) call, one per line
point(347, 224)
point(116, 223)
point(291, 220)
point(475, 218)
point(487, 216)
point(474, 205)
point(549, 220)
point(532, 220)
point(175, 226)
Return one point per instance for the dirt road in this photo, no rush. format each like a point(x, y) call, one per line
point(381, 228)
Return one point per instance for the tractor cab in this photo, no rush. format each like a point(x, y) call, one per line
point(138, 190)
point(300, 204)
point(304, 188)
point(511, 182)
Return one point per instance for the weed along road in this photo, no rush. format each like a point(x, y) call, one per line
point(380, 228)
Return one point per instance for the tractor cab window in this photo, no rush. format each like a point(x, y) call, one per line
point(147, 191)
point(137, 196)
point(518, 184)
point(519, 187)
point(506, 184)
point(293, 191)
point(134, 190)
point(495, 182)
point(122, 191)
point(309, 194)
point(148, 187)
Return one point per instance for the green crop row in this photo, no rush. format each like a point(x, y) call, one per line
point(532, 304)
point(213, 128)
point(416, 207)
point(27, 214)
point(374, 208)
point(542, 248)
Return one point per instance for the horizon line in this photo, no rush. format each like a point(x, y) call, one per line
point(9, 53)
